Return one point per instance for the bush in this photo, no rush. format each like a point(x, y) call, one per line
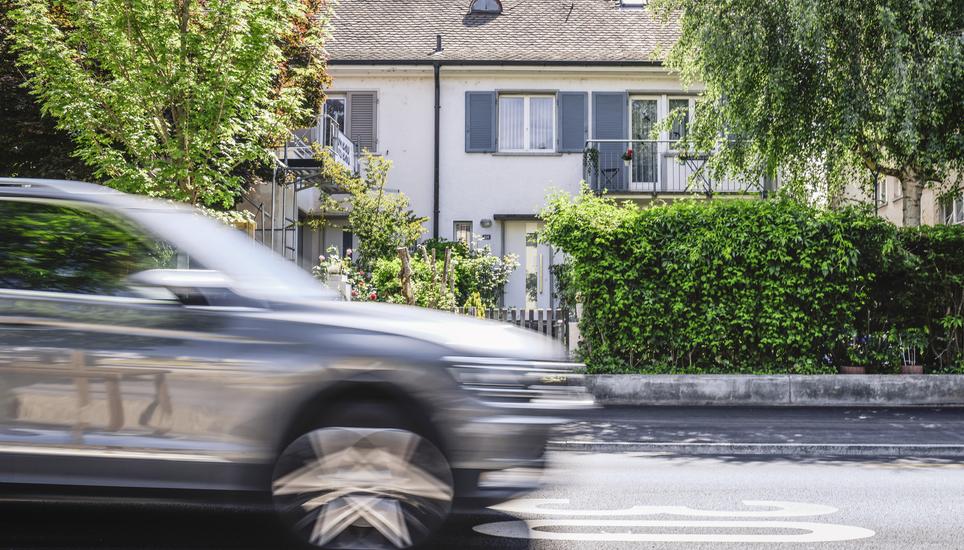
point(477, 271)
point(428, 292)
point(718, 286)
point(924, 291)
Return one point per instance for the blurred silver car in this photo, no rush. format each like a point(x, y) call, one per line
point(147, 348)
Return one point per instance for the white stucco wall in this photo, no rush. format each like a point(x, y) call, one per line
point(891, 208)
point(476, 186)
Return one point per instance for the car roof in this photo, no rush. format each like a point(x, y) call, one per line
point(67, 187)
point(77, 191)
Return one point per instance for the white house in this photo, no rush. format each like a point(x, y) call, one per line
point(484, 106)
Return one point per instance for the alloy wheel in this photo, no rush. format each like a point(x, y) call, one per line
point(344, 487)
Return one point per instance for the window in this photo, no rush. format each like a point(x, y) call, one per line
point(882, 191)
point(527, 123)
point(57, 248)
point(486, 6)
point(954, 211)
point(680, 121)
point(463, 232)
point(334, 110)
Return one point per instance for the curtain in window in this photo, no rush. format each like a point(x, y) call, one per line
point(511, 123)
point(541, 123)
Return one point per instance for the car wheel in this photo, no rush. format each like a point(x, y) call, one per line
point(362, 487)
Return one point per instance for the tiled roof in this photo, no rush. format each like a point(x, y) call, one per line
point(554, 31)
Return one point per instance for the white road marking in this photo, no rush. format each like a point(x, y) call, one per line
point(635, 530)
point(532, 529)
point(783, 509)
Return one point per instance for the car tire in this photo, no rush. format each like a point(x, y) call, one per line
point(362, 479)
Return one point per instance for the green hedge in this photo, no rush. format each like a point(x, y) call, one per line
point(741, 286)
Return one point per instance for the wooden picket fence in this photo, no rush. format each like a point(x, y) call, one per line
point(550, 322)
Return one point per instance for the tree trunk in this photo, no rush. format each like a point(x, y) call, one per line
point(912, 188)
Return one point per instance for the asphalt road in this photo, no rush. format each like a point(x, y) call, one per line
point(618, 500)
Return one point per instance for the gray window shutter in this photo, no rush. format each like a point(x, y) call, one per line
point(480, 123)
point(361, 119)
point(573, 113)
point(610, 120)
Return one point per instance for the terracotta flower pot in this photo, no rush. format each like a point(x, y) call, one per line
point(852, 370)
point(912, 369)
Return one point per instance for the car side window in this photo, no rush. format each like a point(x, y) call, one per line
point(59, 247)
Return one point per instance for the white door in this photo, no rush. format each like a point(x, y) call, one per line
point(529, 285)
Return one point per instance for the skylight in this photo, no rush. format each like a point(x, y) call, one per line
point(486, 6)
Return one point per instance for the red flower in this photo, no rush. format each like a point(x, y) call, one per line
point(354, 293)
point(373, 296)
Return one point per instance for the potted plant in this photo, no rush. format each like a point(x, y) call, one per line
point(912, 344)
point(628, 156)
point(872, 352)
point(856, 356)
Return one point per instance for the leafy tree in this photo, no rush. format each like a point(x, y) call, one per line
point(30, 145)
point(382, 220)
point(824, 87)
point(170, 98)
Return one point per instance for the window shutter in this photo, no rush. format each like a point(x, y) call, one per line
point(361, 119)
point(610, 120)
point(480, 125)
point(573, 114)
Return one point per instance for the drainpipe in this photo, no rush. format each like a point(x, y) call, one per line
point(438, 110)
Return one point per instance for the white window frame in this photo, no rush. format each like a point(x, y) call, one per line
point(527, 123)
point(690, 112)
point(954, 211)
point(322, 120)
point(455, 231)
point(882, 197)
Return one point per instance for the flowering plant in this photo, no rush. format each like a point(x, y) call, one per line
point(362, 287)
point(628, 155)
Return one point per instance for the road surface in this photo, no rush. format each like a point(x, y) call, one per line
point(623, 500)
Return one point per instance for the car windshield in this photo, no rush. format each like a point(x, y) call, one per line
point(254, 269)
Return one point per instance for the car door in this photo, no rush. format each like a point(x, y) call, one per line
point(100, 380)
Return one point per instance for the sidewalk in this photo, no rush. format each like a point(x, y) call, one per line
point(806, 431)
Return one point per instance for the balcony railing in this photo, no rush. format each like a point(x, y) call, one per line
point(654, 167)
point(299, 151)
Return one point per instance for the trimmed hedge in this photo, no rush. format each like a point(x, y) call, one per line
point(739, 286)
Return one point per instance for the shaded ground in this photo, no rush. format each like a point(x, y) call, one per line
point(807, 425)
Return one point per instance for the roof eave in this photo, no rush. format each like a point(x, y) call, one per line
point(500, 62)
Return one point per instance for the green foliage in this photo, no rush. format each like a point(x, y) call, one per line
point(169, 99)
point(823, 91)
point(477, 270)
point(475, 301)
point(382, 220)
point(924, 292)
point(426, 286)
point(30, 144)
point(717, 287)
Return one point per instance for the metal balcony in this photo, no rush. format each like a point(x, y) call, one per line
point(644, 166)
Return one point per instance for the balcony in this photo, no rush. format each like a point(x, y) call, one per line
point(654, 167)
point(299, 152)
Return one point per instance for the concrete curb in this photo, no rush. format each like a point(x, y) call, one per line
point(929, 390)
point(765, 449)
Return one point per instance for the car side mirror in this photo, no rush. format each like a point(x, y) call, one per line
point(192, 287)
